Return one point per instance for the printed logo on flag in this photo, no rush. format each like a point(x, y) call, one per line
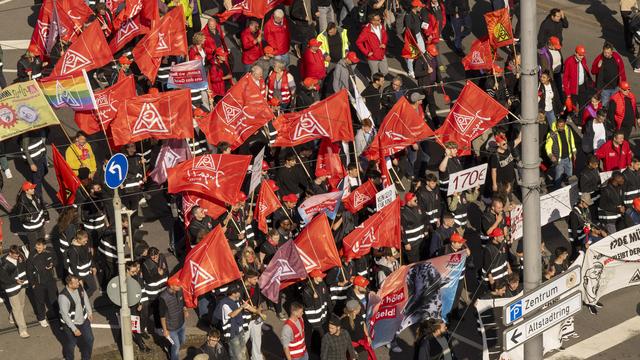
point(231, 112)
point(500, 33)
point(309, 264)
point(476, 58)
point(467, 125)
point(128, 28)
point(74, 61)
point(284, 269)
point(204, 172)
point(162, 44)
point(636, 277)
point(43, 31)
point(262, 207)
point(64, 96)
point(367, 241)
point(308, 126)
point(170, 158)
point(199, 276)
point(149, 121)
point(359, 199)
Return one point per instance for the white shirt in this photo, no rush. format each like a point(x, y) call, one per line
point(556, 60)
point(580, 74)
point(548, 97)
point(378, 31)
point(599, 135)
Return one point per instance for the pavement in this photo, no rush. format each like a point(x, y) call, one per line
point(613, 334)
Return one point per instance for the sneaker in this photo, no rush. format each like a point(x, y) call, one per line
point(396, 349)
point(44, 323)
point(11, 321)
point(599, 304)
point(411, 74)
point(8, 174)
point(143, 203)
point(24, 334)
point(592, 310)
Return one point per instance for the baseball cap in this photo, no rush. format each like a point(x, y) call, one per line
point(496, 232)
point(555, 42)
point(315, 42)
point(310, 81)
point(290, 198)
point(417, 3)
point(580, 50)
point(409, 196)
point(265, 165)
point(273, 185)
point(123, 60)
point(28, 186)
point(269, 50)
point(432, 50)
point(242, 197)
point(636, 204)
point(415, 97)
point(360, 281)
point(317, 273)
point(456, 237)
point(353, 57)
point(500, 138)
point(624, 85)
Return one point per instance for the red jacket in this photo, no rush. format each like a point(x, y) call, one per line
point(277, 36)
point(210, 44)
point(595, 68)
point(251, 51)
point(368, 42)
point(194, 54)
point(614, 158)
point(217, 85)
point(618, 99)
point(570, 75)
point(312, 65)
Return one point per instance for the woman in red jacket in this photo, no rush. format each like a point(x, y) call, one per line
point(312, 64)
point(372, 42)
point(196, 51)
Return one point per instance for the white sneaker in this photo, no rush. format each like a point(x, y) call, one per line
point(44, 323)
point(24, 334)
point(636, 70)
point(8, 174)
point(143, 202)
point(11, 321)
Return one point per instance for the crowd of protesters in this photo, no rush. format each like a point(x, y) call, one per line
point(302, 52)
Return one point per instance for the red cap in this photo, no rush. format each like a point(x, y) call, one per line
point(315, 42)
point(265, 165)
point(497, 69)
point(555, 42)
point(496, 232)
point(322, 172)
point(123, 60)
point(241, 197)
point(198, 112)
point(274, 101)
point(432, 50)
point(580, 50)
point(310, 81)
point(174, 281)
point(636, 204)
point(456, 237)
point(624, 85)
point(290, 198)
point(409, 196)
point(360, 281)
point(220, 52)
point(417, 3)
point(269, 50)
point(317, 273)
point(353, 57)
point(272, 184)
point(500, 138)
point(154, 91)
point(28, 186)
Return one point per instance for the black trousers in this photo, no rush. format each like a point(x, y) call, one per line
point(84, 341)
point(45, 297)
point(413, 255)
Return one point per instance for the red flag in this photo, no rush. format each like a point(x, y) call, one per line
point(316, 245)
point(250, 8)
point(218, 176)
point(209, 265)
point(211, 208)
point(473, 113)
point(43, 26)
point(112, 5)
point(410, 50)
point(382, 229)
point(329, 159)
point(266, 205)
point(68, 182)
point(163, 116)
point(89, 51)
point(71, 16)
point(168, 38)
point(285, 265)
point(403, 126)
point(240, 113)
point(329, 118)
point(360, 197)
point(129, 29)
point(479, 57)
point(499, 27)
point(107, 102)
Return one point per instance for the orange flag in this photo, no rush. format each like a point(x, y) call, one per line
point(89, 51)
point(499, 28)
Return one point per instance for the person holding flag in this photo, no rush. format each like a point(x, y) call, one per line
point(413, 22)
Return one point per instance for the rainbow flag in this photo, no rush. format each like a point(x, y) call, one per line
point(73, 91)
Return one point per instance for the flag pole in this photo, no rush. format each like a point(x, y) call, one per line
point(286, 213)
point(104, 131)
point(357, 161)
point(342, 272)
point(312, 288)
point(247, 292)
point(144, 167)
point(301, 163)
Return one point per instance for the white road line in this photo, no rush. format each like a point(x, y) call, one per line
point(105, 326)
point(5, 1)
point(602, 341)
point(395, 71)
point(9, 45)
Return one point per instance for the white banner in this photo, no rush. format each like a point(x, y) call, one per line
point(604, 176)
point(611, 264)
point(385, 196)
point(553, 206)
point(135, 324)
point(467, 179)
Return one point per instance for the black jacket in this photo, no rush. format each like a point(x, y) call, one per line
point(549, 28)
point(453, 7)
point(556, 104)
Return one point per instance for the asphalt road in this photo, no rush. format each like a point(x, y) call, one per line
point(591, 22)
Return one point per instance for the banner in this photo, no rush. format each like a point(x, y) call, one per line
point(385, 196)
point(190, 74)
point(23, 107)
point(256, 171)
point(286, 264)
point(611, 264)
point(553, 206)
point(412, 294)
point(467, 179)
point(73, 91)
point(317, 203)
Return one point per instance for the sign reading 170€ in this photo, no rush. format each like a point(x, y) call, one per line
point(467, 179)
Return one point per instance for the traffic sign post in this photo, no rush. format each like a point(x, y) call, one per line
point(535, 326)
point(114, 175)
point(538, 297)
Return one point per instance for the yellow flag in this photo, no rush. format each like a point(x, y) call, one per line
point(23, 107)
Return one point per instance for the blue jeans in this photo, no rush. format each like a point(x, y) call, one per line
point(178, 337)
point(605, 95)
point(458, 23)
point(84, 342)
point(563, 167)
point(550, 116)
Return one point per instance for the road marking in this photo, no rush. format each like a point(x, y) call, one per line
point(602, 341)
point(105, 326)
point(14, 44)
point(5, 1)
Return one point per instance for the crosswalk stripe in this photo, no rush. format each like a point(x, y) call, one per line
point(602, 341)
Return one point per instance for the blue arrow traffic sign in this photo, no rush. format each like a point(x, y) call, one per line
point(116, 171)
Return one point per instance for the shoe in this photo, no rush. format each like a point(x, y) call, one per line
point(11, 321)
point(592, 310)
point(145, 349)
point(8, 174)
point(24, 334)
point(636, 70)
point(44, 323)
point(599, 304)
point(396, 349)
point(411, 74)
point(145, 335)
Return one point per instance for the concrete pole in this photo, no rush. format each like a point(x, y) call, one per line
point(530, 160)
point(125, 312)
